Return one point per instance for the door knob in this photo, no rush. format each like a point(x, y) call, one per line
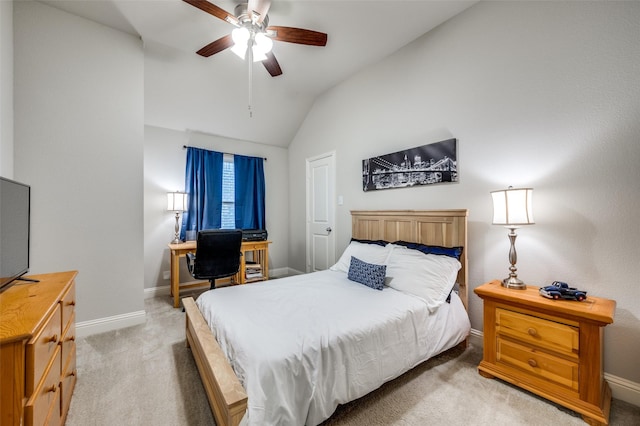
point(328, 229)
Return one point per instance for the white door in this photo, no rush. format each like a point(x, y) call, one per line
point(321, 247)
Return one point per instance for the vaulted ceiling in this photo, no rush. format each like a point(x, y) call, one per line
point(185, 91)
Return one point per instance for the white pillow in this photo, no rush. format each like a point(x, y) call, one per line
point(427, 276)
point(370, 253)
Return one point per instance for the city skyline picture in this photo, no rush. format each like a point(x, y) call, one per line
point(424, 165)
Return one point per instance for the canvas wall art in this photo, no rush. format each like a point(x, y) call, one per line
point(424, 165)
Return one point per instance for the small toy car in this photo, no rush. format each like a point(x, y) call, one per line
point(559, 290)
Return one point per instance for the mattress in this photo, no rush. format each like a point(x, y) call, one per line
point(303, 345)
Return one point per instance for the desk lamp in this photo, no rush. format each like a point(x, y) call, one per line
point(512, 208)
point(176, 202)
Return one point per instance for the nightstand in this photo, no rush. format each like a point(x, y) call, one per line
point(552, 348)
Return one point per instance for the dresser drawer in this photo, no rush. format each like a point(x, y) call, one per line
point(556, 370)
point(68, 303)
point(41, 348)
point(69, 340)
point(543, 333)
point(68, 382)
point(45, 401)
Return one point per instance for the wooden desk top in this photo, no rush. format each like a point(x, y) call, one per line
point(187, 245)
point(191, 245)
point(592, 308)
point(25, 305)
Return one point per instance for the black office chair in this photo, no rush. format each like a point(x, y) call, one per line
point(217, 255)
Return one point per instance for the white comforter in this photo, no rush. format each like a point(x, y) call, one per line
point(302, 345)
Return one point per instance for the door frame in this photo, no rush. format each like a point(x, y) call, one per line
point(332, 213)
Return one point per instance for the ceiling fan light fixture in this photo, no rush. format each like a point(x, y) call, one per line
point(258, 56)
point(261, 44)
point(240, 36)
point(239, 50)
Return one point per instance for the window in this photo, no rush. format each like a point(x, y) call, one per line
point(228, 193)
point(226, 199)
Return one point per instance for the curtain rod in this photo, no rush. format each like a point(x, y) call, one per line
point(228, 153)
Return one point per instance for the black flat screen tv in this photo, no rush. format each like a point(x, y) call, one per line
point(15, 210)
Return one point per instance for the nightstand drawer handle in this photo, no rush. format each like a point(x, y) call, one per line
point(532, 362)
point(532, 332)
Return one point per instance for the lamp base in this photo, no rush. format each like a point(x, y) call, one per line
point(514, 283)
point(176, 241)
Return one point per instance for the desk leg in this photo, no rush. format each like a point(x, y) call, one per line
point(175, 279)
point(265, 262)
point(241, 279)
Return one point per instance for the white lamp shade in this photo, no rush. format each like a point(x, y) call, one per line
point(263, 43)
point(176, 201)
point(260, 46)
point(240, 36)
point(513, 206)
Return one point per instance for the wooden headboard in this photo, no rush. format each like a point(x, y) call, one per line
point(433, 227)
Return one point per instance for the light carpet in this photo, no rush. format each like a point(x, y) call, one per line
point(145, 375)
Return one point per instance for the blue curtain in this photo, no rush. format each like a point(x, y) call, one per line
point(203, 184)
point(249, 200)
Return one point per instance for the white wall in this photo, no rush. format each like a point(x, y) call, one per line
point(6, 89)
point(164, 168)
point(542, 94)
point(79, 111)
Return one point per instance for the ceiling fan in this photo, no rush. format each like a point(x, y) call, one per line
point(253, 37)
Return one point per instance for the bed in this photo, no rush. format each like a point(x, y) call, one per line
point(303, 384)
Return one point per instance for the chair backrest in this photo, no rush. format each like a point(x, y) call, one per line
point(217, 253)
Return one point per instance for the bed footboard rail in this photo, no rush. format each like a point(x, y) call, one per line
point(226, 395)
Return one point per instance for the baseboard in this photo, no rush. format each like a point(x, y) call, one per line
point(279, 272)
point(475, 338)
point(163, 290)
point(101, 325)
point(622, 389)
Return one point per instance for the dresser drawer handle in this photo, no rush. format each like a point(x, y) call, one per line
point(71, 374)
point(532, 332)
point(532, 362)
point(53, 339)
point(52, 389)
point(72, 303)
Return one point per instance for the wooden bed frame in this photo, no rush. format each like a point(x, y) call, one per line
point(226, 395)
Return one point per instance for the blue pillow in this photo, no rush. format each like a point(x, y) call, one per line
point(454, 252)
point(368, 274)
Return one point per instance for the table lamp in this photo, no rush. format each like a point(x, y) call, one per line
point(512, 208)
point(176, 202)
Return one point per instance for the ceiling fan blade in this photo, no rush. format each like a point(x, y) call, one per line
point(216, 46)
point(298, 35)
point(214, 10)
point(272, 65)
point(261, 7)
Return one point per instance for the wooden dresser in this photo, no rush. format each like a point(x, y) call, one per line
point(552, 348)
point(37, 350)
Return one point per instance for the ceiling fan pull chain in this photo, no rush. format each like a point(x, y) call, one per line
point(250, 62)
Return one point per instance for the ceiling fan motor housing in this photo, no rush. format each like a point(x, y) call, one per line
point(246, 18)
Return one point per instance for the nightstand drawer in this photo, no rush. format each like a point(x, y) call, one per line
point(554, 369)
point(543, 333)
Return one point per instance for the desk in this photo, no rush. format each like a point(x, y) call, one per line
point(259, 251)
